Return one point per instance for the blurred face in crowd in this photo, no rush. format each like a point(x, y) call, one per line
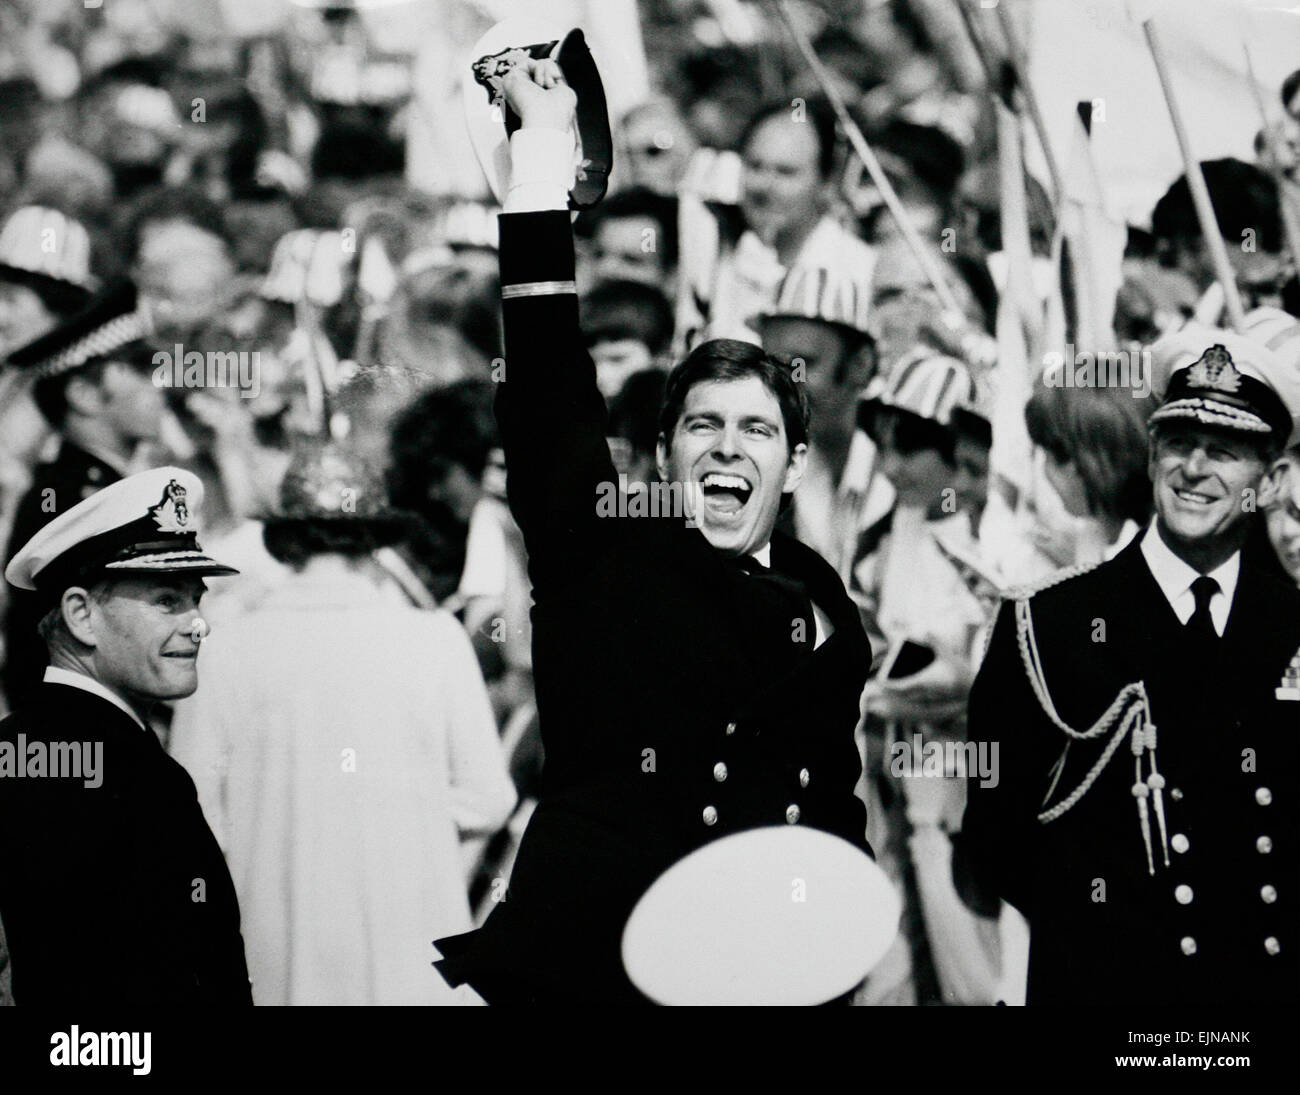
point(616, 360)
point(834, 366)
point(782, 191)
point(657, 148)
point(23, 316)
point(731, 449)
point(145, 633)
point(454, 488)
point(1283, 519)
point(1207, 483)
point(903, 303)
point(1260, 274)
point(717, 117)
point(628, 248)
point(185, 275)
point(125, 399)
point(971, 476)
point(919, 475)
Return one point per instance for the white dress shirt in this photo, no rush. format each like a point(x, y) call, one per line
point(1175, 578)
point(541, 170)
point(55, 675)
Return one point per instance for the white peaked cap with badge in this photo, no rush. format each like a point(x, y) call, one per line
point(1174, 356)
point(147, 523)
point(491, 122)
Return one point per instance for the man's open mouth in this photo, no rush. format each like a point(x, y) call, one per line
point(725, 493)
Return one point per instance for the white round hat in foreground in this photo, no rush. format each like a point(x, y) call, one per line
point(777, 915)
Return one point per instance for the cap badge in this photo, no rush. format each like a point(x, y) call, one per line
point(1215, 371)
point(172, 513)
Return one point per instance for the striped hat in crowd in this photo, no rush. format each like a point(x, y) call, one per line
point(832, 296)
point(928, 384)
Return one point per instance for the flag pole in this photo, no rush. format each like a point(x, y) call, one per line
point(928, 264)
point(1016, 59)
point(1290, 219)
point(1196, 185)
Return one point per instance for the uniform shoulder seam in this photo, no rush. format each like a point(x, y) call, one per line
point(1029, 589)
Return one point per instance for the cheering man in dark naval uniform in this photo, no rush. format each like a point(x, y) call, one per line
point(1147, 722)
point(113, 890)
point(695, 677)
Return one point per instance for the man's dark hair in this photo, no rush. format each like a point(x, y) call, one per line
point(636, 201)
point(1243, 196)
point(149, 71)
point(819, 115)
point(730, 359)
point(703, 72)
point(442, 428)
point(1290, 86)
point(295, 541)
point(633, 413)
point(934, 158)
point(614, 310)
point(170, 203)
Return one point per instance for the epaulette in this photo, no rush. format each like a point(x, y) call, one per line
point(1024, 592)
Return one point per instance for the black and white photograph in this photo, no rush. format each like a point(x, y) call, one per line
point(580, 505)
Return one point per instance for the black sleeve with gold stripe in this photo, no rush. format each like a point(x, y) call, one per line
point(550, 412)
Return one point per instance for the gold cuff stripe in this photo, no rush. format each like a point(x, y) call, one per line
point(537, 289)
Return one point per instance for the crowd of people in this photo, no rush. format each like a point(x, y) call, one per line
point(211, 258)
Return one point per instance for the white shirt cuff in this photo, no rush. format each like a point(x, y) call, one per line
point(541, 170)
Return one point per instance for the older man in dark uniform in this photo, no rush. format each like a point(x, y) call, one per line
point(93, 383)
point(697, 675)
point(112, 888)
point(1145, 716)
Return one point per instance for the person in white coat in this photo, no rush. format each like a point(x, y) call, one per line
point(346, 749)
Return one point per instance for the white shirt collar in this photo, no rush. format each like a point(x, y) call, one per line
point(764, 554)
point(73, 679)
point(1175, 578)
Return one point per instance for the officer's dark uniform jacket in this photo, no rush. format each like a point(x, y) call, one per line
point(116, 894)
point(671, 709)
point(71, 477)
point(1217, 924)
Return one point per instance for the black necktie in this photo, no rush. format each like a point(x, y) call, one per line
point(791, 606)
point(1201, 625)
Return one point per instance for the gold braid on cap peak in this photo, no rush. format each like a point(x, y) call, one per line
point(1130, 714)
